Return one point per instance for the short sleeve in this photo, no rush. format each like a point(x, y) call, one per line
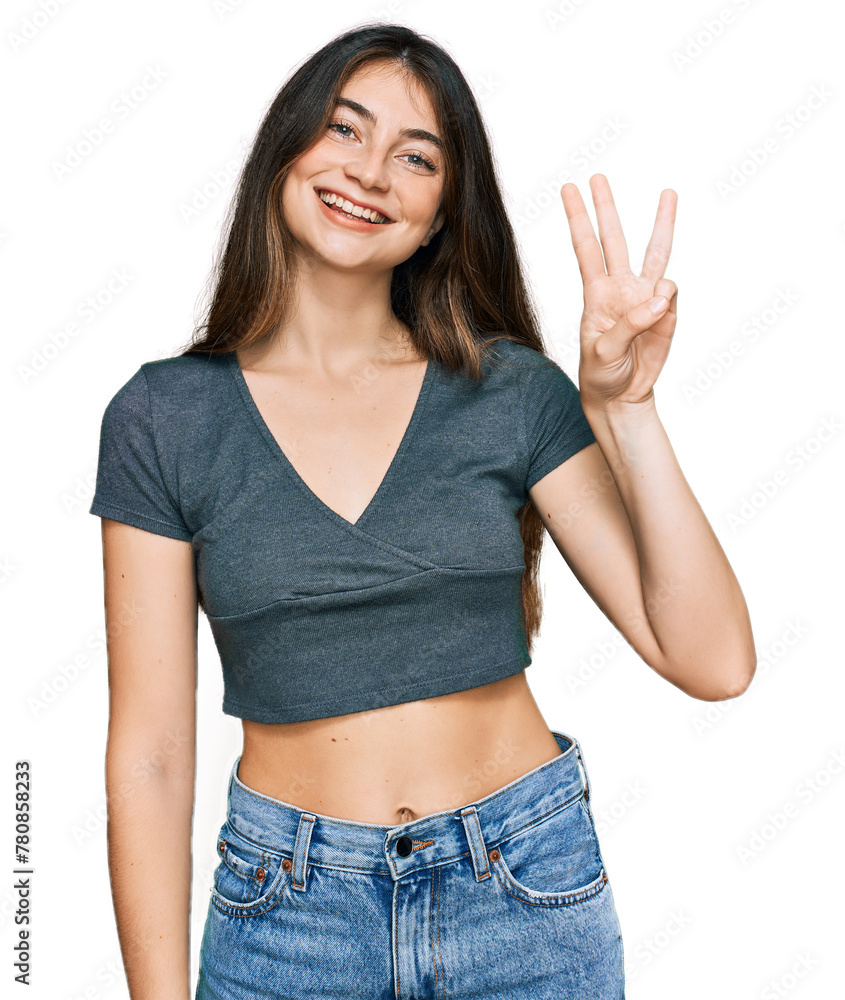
point(556, 427)
point(130, 487)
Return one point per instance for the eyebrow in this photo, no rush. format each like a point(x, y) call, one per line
point(421, 134)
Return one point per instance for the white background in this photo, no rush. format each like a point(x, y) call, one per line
point(721, 824)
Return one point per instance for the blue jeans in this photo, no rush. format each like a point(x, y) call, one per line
point(506, 897)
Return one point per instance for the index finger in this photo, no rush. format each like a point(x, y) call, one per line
point(587, 247)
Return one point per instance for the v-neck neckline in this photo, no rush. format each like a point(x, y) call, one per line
point(276, 448)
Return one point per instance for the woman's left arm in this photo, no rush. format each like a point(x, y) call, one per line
point(620, 511)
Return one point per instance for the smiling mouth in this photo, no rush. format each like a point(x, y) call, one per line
point(338, 204)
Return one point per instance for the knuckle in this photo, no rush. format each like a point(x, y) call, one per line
point(630, 321)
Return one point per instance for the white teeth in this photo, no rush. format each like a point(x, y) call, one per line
point(352, 209)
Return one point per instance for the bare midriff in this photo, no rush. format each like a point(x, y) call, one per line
point(395, 764)
point(400, 763)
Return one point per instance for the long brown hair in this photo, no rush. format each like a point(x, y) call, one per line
point(457, 295)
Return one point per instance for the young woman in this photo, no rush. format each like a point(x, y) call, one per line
point(351, 469)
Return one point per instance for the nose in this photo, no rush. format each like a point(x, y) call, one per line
point(368, 166)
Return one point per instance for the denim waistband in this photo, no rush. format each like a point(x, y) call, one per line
point(369, 848)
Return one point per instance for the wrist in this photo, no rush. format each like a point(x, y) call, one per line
point(618, 414)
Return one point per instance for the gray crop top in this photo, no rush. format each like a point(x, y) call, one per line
point(314, 616)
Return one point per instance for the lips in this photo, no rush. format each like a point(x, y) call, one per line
point(385, 218)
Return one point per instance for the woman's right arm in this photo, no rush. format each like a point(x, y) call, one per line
point(151, 626)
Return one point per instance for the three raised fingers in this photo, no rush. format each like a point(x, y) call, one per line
point(613, 249)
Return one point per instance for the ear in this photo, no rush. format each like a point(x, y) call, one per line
point(439, 219)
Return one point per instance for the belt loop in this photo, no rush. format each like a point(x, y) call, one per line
point(475, 839)
point(300, 850)
point(583, 770)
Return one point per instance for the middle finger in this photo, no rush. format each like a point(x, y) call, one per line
point(610, 228)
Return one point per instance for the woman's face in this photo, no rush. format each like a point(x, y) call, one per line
point(368, 157)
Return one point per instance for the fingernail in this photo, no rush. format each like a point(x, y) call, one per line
point(659, 304)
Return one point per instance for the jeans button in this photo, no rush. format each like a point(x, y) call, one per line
point(404, 847)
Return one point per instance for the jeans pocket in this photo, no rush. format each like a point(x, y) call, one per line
point(248, 878)
point(555, 861)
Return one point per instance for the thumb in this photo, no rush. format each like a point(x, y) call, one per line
point(636, 320)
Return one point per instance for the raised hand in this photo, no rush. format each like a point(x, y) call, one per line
point(624, 343)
